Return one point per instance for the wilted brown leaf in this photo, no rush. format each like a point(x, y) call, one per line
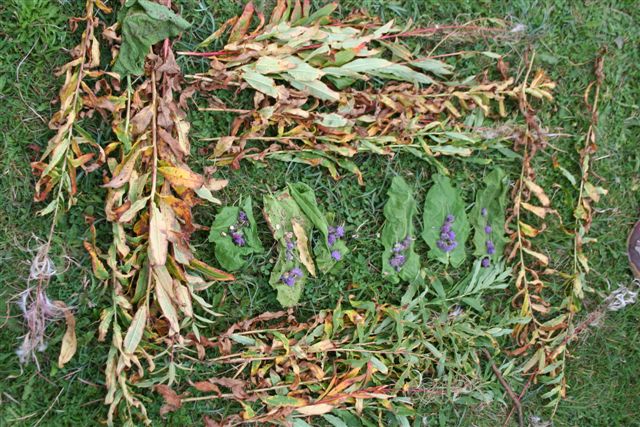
point(172, 402)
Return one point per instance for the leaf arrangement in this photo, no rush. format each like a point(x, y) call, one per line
point(326, 90)
point(323, 91)
point(356, 364)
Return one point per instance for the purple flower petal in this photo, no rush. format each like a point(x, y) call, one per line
point(296, 272)
point(336, 255)
point(242, 217)
point(491, 250)
point(331, 239)
point(486, 262)
point(445, 228)
point(488, 229)
point(452, 235)
point(339, 232)
point(450, 218)
point(237, 238)
point(484, 212)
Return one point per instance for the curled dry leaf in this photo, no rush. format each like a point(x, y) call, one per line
point(69, 342)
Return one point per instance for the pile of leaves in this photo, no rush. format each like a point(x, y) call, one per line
point(324, 90)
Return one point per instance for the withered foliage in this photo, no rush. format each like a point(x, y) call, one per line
point(367, 359)
point(324, 91)
point(547, 328)
point(71, 148)
point(152, 271)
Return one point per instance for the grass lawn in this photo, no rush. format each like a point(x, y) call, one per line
point(602, 376)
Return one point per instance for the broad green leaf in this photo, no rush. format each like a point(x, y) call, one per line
point(261, 83)
point(493, 198)
point(281, 212)
point(317, 89)
point(272, 65)
point(443, 200)
point(306, 200)
point(434, 66)
point(385, 69)
point(332, 120)
point(302, 71)
point(231, 256)
point(144, 24)
point(399, 212)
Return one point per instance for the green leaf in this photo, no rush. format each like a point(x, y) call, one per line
point(281, 212)
point(260, 83)
point(433, 66)
point(493, 198)
point(442, 200)
point(334, 421)
point(136, 329)
point(229, 255)
point(306, 200)
point(399, 212)
point(302, 71)
point(144, 23)
point(385, 69)
point(317, 89)
point(283, 401)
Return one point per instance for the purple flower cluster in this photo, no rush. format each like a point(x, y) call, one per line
point(335, 234)
point(235, 231)
point(399, 258)
point(290, 245)
point(290, 278)
point(447, 241)
point(491, 249)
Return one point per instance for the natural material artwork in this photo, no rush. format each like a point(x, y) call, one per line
point(433, 263)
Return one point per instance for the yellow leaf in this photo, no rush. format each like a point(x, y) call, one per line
point(319, 409)
point(223, 145)
point(125, 171)
point(169, 311)
point(528, 230)
point(322, 346)
point(158, 241)
point(303, 247)
point(594, 192)
point(540, 257)
point(538, 191)
point(95, 53)
point(536, 210)
point(182, 177)
point(69, 343)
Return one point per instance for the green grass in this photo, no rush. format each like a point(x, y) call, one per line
point(602, 374)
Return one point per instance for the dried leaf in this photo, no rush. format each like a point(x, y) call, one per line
point(303, 247)
point(69, 343)
point(182, 177)
point(318, 409)
point(538, 191)
point(172, 402)
point(158, 240)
